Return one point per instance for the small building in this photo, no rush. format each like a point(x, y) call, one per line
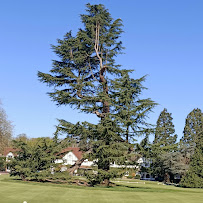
point(70, 156)
point(144, 163)
point(9, 153)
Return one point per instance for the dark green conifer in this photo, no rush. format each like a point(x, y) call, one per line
point(165, 132)
point(84, 77)
point(194, 176)
point(193, 125)
point(34, 159)
point(163, 146)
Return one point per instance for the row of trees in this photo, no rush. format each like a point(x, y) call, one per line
point(170, 157)
point(36, 156)
point(86, 77)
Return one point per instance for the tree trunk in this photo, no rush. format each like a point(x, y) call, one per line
point(75, 166)
point(23, 177)
point(106, 182)
point(78, 163)
point(166, 178)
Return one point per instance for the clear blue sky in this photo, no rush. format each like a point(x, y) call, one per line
point(163, 38)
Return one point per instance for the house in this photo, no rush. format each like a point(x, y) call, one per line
point(144, 163)
point(9, 153)
point(70, 155)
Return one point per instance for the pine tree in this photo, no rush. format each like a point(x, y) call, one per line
point(163, 146)
point(34, 158)
point(193, 125)
point(194, 176)
point(165, 132)
point(84, 78)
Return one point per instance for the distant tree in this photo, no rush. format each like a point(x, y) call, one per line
point(194, 176)
point(2, 163)
point(165, 131)
point(6, 130)
point(22, 137)
point(144, 148)
point(34, 158)
point(193, 125)
point(164, 147)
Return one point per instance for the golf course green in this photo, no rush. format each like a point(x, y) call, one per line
point(16, 191)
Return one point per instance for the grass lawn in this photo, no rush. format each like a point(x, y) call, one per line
point(13, 191)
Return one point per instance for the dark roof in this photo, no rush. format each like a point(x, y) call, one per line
point(75, 150)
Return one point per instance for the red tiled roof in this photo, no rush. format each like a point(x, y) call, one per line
point(10, 149)
point(75, 150)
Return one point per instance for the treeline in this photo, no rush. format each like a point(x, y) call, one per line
point(86, 77)
point(6, 130)
point(36, 156)
point(169, 157)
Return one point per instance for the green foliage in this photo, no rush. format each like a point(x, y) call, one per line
point(60, 176)
point(101, 175)
point(86, 61)
point(165, 131)
point(87, 78)
point(130, 110)
point(194, 176)
point(164, 148)
point(6, 130)
point(2, 163)
point(35, 158)
point(193, 125)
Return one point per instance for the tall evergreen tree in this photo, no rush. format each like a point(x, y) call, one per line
point(194, 176)
point(81, 78)
point(193, 125)
point(84, 78)
point(163, 146)
point(165, 131)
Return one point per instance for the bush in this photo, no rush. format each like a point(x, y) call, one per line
point(191, 180)
point(2, 163)
point(101, 175)
point(61, 176)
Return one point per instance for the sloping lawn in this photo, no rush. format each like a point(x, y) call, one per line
point(14, 191)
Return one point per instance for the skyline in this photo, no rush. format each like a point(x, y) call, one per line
point(163, 40)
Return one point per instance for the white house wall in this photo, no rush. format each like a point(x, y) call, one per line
point(86, 162)
point(70, 159)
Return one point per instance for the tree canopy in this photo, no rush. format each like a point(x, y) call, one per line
point(87, 78)
point(6, 130)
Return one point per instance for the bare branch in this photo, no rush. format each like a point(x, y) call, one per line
point(100, 115)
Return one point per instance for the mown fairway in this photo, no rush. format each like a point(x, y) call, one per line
point(12, 191)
